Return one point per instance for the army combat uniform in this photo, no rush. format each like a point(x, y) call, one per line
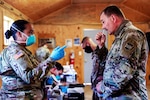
point(21, 74)
point(98, 58)
point(124, 74)
point(42, 53)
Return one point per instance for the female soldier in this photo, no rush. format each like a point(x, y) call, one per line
point(21, 73)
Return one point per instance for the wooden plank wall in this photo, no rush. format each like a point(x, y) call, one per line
point(63, 32)
point(1, 31)
point(66, 31)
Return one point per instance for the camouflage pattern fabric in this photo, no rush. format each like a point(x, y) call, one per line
point(22, 74)
point(125, 68)
point(42, 53)
point(98, 58)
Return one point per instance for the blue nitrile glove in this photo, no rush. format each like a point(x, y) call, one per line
point(49, 81)
point(58, 53)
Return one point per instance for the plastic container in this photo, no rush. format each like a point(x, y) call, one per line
point(70, 76)
point(63, 88)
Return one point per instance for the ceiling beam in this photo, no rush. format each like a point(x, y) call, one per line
point(136, 11)
point(8, 7)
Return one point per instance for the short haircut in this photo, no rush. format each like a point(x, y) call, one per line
point(85, 39)
point(108, 11)
point(58, 66)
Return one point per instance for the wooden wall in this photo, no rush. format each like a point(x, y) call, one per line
point(61, 33)
point(1, 29)
point(82, 16)
point(64, 31)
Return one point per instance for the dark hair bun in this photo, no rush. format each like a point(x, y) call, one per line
point(8, 34)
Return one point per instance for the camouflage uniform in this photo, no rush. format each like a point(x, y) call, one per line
point(22, 74)
point(98, 57)
point(42, 53)
point(124, 74)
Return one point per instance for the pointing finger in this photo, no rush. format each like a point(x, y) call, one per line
point(57, 47)
point(63, 47)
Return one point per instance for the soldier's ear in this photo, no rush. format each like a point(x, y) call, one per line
point(113, 18)
point(19, 34)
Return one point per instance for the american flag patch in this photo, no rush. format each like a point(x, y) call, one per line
point(18, 55)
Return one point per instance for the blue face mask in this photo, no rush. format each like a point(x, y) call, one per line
point(57, 77)
point(30, 39)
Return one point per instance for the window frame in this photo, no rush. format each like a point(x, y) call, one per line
point(7, 22)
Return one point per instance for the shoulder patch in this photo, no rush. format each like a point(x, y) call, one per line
point(128, 47)
point(18, 55)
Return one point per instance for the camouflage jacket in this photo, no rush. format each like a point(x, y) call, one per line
point(125, 68)
point(21, 73)
point(98, 58)
point(42, 53)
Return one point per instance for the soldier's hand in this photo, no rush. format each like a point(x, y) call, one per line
point(100, 38)
point(98, 87)
point(58, 53)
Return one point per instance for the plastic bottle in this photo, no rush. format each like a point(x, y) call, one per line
point(70, 76)
point(72, 58)
point(49, 91)
point(74, 73)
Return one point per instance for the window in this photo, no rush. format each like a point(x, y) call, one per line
point(7, 23)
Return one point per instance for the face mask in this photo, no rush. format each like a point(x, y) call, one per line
point(30, 39)
point(57, 77)
point(88, 49)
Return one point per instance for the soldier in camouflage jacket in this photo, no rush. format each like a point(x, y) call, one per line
point(21, 73)
point(124, 74)
point(98, 62)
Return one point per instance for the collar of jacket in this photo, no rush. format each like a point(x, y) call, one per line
point(121, 28)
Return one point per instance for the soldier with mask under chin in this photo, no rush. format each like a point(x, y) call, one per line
point(98, 56)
